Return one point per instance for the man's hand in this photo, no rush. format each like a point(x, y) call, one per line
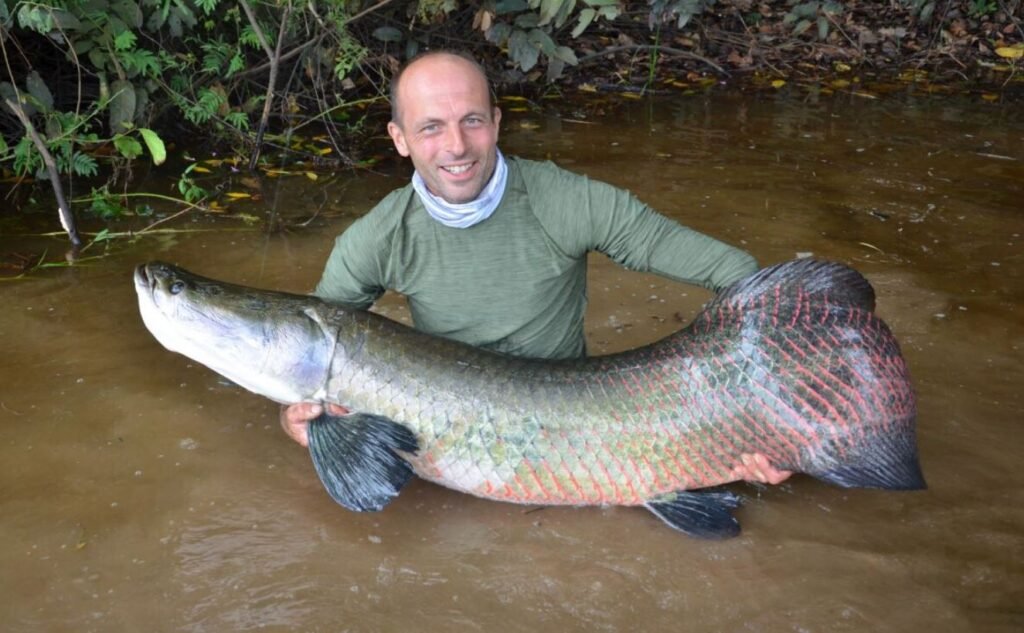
point(755, 467)
point(295, 418)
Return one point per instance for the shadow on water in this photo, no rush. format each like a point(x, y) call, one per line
point(140, 492)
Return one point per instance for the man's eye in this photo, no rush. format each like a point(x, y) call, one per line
point(430, 129)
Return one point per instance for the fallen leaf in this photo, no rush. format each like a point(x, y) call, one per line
point(778, 83)
point(1011, 52)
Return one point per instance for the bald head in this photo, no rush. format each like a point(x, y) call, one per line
point(425, 64)
point(445, 121)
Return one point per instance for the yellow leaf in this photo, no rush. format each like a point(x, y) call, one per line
point(325, 151)
point(236, 195)
point(839, 84)
point(527, 125)
point(1011, 52)
point(518, 109)
point(311, 175)
point(513, 98)
point(778, 83)
point(587, 88)
point(201, 170)
point(988, 96)
point(629, 95)
point(842, 68)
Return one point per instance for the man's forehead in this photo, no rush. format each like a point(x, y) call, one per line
point(427, 94)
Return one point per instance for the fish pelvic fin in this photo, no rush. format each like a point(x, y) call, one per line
point(701, 514)
point(356, 458)
point(829, 282)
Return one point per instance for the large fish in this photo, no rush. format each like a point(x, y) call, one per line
point(790, 362)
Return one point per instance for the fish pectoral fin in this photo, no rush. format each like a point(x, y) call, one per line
point(356, 458)
point(702, 514)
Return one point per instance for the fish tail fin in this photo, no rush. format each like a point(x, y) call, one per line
point(355, 457)
point(887, 462)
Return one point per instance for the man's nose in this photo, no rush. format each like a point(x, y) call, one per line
point(455, 142)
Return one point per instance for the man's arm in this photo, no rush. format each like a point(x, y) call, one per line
point(581, 214)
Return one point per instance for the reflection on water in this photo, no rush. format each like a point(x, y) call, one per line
point(140, 492)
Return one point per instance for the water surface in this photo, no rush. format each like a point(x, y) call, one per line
point(141, 492)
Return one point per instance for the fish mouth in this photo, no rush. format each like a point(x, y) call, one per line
point(145, 281)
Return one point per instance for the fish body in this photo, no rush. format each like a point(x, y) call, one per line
point(791, 363)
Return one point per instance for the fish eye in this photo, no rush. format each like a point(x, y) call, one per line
point(177, 287)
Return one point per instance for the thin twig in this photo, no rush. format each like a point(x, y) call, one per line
point(663, 49)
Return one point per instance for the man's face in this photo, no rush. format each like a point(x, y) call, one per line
point(447, 126)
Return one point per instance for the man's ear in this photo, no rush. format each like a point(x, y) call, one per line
point(497, 120)
point(398, 138)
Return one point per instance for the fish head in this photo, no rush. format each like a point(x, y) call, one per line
point(271, 343)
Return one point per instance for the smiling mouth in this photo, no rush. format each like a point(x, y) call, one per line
point(457, 170)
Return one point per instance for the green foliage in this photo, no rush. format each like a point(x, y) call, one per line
point(805, 15)
point(923, 9)
point(679, 11)
point(981, 8)
point(188, 188)
point(105, 205)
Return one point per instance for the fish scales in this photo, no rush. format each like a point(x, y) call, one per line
point(791, 363)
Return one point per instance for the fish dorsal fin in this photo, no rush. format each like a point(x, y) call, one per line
point(817, 280)
point(356, 459)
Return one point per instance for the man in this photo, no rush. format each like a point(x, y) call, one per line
point(490, 251)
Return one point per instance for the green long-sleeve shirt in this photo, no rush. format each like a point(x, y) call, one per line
point(516, 282)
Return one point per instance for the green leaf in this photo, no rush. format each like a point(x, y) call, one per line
point(926, 12)
point(822, 27)
point(154, 144)
point(548, 9)
point(565, 54)
point(387, 34)
point(129, 12)
point(527, 20)
point(84, 165)
point(503, 7)
point(564, 11)
point(522, 51)
point(499, 33)
point(542, 40)
point(128, 146)
point(586, 17)
point(125, 41)
point(122, 105)
point(37, 88)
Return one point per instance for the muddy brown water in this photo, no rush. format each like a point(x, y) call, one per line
point(139, 492)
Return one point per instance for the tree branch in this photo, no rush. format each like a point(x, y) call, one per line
point(67, 220)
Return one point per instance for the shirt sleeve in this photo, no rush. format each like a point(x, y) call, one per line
point(356, 270)
point(592, 215)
